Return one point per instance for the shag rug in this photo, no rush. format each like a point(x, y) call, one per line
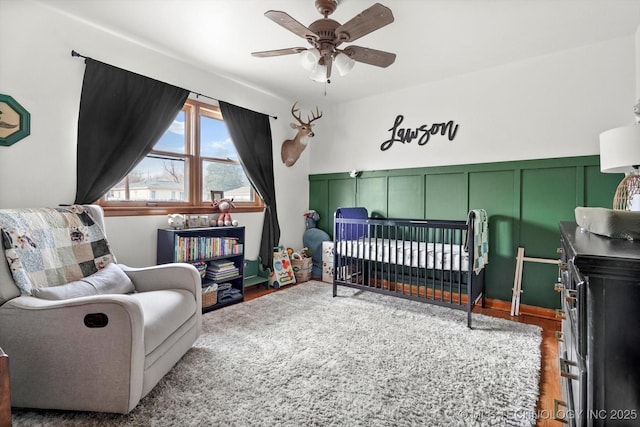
point(299, 357)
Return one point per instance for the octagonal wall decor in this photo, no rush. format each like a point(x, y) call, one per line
point(15, 121)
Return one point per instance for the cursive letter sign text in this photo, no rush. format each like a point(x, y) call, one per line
point(422, 133)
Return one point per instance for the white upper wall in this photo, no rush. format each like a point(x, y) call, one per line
point(544, 107)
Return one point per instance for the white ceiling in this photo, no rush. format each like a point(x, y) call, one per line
point(433, 39)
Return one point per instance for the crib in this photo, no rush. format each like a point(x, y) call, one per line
point(434, 261)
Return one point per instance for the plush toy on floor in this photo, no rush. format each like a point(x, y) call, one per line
point(312, 240)
point(310, 218)
point(224, 207)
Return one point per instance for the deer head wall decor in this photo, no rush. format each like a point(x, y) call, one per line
point(292, 148)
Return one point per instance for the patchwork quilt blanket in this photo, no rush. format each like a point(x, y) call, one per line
point(52, 246)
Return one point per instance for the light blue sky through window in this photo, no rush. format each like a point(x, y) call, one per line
point(173, 139)
point(215, 140)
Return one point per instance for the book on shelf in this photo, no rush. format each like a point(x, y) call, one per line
point(220, 278)
point(192, 248)
point(219, 265)
point(201, 266)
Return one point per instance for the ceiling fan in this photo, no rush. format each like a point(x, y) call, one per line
point(325, 35)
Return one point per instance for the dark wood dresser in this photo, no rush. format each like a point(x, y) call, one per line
point(5, 395)
point(600, 343)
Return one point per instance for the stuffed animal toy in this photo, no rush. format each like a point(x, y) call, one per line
point(176, 221)
point(224, 207)
point(310, 218)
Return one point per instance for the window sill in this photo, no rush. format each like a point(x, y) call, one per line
point(110, 211)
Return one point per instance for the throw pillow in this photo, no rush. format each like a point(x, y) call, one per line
point(110, 280)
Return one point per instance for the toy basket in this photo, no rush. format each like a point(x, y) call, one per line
point(301, 268)
point(210, 295)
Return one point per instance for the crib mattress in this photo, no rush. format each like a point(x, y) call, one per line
point(437, 256)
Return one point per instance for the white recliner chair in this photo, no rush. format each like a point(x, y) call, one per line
point(102, 352)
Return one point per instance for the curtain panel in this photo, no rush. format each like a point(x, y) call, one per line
point(251, 135)
point(122, 115)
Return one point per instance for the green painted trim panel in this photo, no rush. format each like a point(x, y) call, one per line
point(451, 190)
point(406, 196)
point(525, 201)
point(372, 193)
point(493, 191)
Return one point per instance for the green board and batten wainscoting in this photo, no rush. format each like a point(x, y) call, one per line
point(525, 201)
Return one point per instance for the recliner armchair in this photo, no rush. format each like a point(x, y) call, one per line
point(101, 352)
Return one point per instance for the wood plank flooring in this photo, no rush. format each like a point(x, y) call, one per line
point(549, 385)
point(549, 371)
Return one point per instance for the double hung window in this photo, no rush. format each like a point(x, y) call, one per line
point(194, 157)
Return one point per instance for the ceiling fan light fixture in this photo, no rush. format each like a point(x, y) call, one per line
point(319, 73)
point(309, 58)
point(325, 35)
point(343, 63)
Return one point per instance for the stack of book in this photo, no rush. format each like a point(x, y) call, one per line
point(221, 270)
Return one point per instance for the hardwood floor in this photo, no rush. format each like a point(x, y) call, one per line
point(549, 385)
point(549, 371)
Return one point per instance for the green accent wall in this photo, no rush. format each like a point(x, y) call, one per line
point(525, 201)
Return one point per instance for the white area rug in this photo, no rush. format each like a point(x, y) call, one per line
point(300, 357)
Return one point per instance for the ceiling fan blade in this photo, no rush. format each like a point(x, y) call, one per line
point(278, 52)
point(375, 57)
point(285, 20)
point(369, 20)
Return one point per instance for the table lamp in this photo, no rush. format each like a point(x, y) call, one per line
point(620, 153)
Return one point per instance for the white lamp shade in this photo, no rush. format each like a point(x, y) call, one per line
point(309, 58)
point(343, 63)
point(319, 73)
point(620, 149)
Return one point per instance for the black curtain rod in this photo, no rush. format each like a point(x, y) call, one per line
point(76, 54)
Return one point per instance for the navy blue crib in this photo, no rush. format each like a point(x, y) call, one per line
point(419, 259)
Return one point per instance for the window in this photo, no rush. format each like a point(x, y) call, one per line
point(194, 157)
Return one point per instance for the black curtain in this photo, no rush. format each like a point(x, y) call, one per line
point(122, 116)
point(251, 135)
